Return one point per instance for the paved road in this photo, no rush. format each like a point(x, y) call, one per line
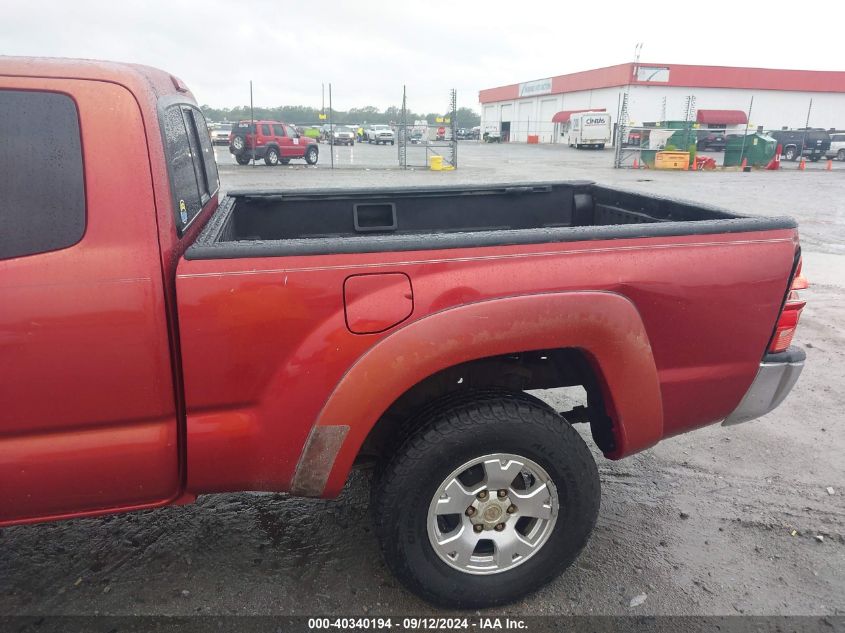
point(720, 521)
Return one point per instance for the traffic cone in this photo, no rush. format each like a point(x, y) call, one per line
point(744, 163)
point(775, 162)
point(829, 165)
point(802, 165)
point(636, 164)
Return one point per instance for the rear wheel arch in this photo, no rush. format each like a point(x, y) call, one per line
point(517, 372)
point(604, 327)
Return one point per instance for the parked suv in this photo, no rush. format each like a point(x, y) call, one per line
point(380, 134)
point(837, 146)
point(273, 141)
point(220, 134)
point(816, 143)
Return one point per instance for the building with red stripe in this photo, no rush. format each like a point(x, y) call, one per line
point(660, 91)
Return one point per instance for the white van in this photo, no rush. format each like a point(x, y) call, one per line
point(587, 129)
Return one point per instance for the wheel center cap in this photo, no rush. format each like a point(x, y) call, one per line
point(491, 512)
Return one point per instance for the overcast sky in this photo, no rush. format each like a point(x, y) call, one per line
point(368, 49)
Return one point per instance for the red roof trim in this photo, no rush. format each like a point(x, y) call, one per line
point(687, 76)
point(723, 117)
point(564, 115)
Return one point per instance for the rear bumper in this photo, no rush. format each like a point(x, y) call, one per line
point(777, 375)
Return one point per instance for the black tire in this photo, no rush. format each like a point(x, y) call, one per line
point(815, 158)
point(242, 159)
point(840, 154)
point(600, 146)
point(451, 432)
point(312, 155)
point(271, 157)
point(391, 142)
point(790, 153)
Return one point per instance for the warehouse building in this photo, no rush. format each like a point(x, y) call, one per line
point(660, 92)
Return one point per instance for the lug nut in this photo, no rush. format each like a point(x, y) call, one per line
point(482, 495)
point(470, 511)
point(500, 527)
point(502, 494)
point(511, 509)
point(478, 527)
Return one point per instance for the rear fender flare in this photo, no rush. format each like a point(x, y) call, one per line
point(605, 325)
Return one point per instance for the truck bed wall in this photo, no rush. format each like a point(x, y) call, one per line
point(326, 222)
point(265, 337)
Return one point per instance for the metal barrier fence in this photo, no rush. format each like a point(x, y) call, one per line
point(426, 144)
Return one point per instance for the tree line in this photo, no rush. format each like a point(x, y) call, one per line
point(302, 115)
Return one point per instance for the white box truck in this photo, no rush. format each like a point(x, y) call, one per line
point(587, 129)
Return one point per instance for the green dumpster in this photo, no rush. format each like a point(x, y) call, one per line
point(759, 149)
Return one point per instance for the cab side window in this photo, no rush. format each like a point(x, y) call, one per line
point(279, 130)
point(42, 200)
point(190, 157)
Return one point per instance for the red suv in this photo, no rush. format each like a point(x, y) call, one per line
point(273, 141)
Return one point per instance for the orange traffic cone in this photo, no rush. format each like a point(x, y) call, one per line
point(636, 164)
point(802, 165)
point(744, 163)
point(829, 165)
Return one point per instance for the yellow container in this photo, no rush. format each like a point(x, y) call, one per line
point(671, 160)
point(435, 163)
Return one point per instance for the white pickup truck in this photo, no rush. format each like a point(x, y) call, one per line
point(837, 146)
point(380, 134)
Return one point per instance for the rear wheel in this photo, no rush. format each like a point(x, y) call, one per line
point(272, 156)
point(841, 154)
point(311, 155)
point(490, 498)
point(242, 159)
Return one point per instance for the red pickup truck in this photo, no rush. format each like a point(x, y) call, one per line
point(157, 343)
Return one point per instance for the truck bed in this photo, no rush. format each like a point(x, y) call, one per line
point(331, 221)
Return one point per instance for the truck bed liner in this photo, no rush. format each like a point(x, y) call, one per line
point(331, 221)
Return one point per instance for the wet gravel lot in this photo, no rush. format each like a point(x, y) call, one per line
point(720, 521)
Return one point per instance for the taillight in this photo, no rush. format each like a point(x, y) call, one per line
point(788, 320)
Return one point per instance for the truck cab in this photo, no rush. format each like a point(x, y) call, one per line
point(93, 411)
